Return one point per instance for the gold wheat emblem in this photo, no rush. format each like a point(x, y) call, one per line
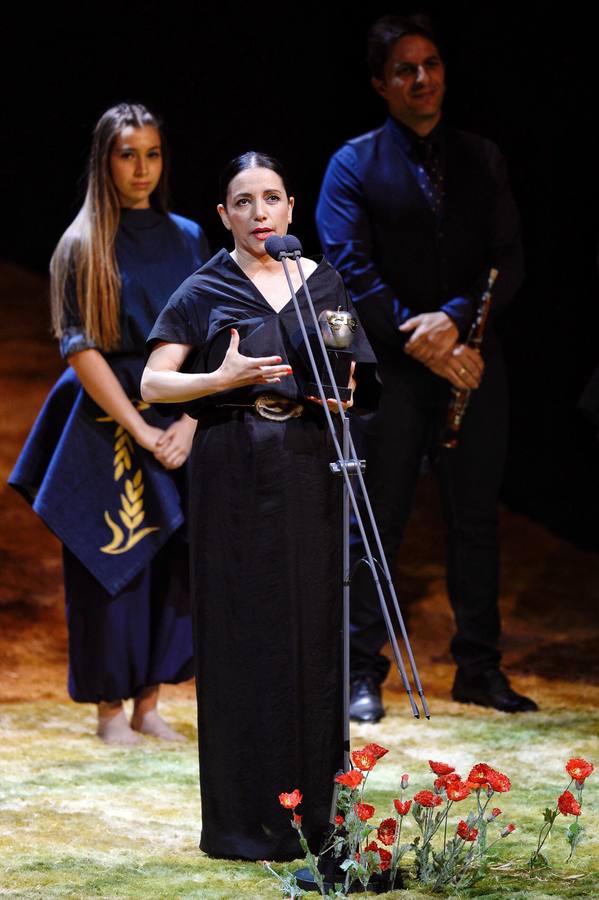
point(131, 515)
point(132, 511)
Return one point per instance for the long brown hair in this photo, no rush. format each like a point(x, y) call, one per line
point(84, 261)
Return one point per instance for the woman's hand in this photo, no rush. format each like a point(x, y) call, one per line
point(174, 445)
point(147, 436)
point(237, 370)
point(346, 404)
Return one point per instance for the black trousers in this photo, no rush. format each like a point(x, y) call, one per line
point(394, 441)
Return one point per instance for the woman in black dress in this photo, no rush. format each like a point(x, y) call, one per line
point(264, 527)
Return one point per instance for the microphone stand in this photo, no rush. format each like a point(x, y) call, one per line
point(347, 465)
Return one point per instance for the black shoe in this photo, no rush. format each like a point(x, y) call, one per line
point(490, 688)
point(365, 699)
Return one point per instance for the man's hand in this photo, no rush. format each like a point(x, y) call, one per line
point(434, 335)
point(463, 367)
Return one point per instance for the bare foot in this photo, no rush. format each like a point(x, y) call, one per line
point(116, 730)
point(151, 723)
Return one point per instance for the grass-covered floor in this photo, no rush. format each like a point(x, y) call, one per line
point(79, 819)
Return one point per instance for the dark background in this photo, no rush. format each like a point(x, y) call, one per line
point(229, 78)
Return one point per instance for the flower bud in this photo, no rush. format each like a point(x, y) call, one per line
point(490, 791)
point(508, 829)
point(405, 780)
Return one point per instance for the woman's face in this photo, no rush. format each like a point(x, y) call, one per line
point(136, 165)
point(257, 206)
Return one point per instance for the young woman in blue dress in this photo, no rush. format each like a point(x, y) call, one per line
point(100, 466)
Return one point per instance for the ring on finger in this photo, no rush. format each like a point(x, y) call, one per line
point(462, 371)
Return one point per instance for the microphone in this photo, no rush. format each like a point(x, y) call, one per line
point(275, 247)
point(293, 246)
point(280, 248)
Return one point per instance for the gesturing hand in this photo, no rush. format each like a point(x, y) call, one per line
point(237, 370)
point(433, 336)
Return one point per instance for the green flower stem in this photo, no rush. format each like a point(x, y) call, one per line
point(496, 841)
point(542, 838)
point(467, 862)
point(268, 866)
point(353, 844)
point(311, 861)
point(547, 828)
point(445, 829)
point(364, 780)
point(482, 826)
point(395, 857)
point(578, 790)
point(437, 826)
point(446, 872)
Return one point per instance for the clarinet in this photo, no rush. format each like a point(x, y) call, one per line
point(459, 398)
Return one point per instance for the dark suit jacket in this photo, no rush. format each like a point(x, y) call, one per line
point(396, 257)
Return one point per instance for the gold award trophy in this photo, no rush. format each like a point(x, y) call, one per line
point(338, 329)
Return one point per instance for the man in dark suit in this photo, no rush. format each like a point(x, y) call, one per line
point(414, 215)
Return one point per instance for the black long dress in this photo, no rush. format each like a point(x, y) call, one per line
point(265, 531)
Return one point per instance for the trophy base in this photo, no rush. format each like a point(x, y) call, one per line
point(340, 362)
point(344, 392)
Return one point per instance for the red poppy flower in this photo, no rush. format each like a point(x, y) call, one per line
point(508, 829)
point(427, 798)
point(405, 780)
point(364, 760)
point(462, 829)
point(350, 779)
point(297, 819)
point(579, 768)
point(495, 812)
point(384, 855)
point(498, 781)
point(376, 750)
point(339, 820)
point(386, 831)
point(446, 779)
point(466, 833)
point(440, 768)
point(290, 801)
point(364, 811)
point(568, 804)
point(386, 858)
point(457, 790)
point(476, 785)
point(402, 807)
point(478, 774)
